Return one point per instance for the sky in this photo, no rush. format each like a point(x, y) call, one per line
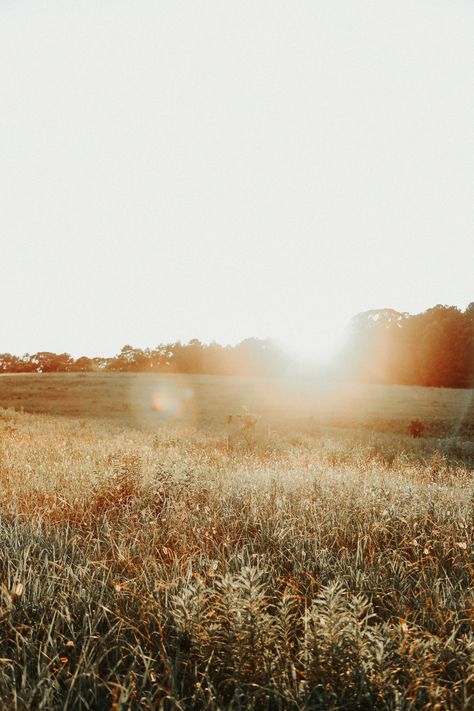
point(220, 170)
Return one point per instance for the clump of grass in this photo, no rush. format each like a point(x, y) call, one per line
point(118, 491)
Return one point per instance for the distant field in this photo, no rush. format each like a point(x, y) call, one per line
point(299, 405)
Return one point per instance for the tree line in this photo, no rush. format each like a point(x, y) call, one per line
point(253, 356)
point(432, 348)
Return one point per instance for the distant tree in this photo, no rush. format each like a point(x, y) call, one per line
point(161, 357)
point(101, 363)
point(434, 348)
point(46, 362)
point(469, 312)
point(443, 347)
point(9, 363)
point(373, 350)
point(26, 364)
point(82, 365)
point(215, 359)
point(469, 348)
point(123, 361)
point(193, 356)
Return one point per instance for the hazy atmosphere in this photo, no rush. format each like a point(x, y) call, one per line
point(236, 355)
point(218, 170)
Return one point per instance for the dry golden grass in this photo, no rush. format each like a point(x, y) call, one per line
point(165, 569)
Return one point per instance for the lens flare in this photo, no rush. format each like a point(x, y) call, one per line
point(165, 401)
point(157, 401)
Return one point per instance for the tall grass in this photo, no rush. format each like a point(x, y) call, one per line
point(148, 571)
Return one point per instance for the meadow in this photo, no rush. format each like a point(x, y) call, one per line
point(154, 557)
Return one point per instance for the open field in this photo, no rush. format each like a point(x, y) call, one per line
point(204, 402)
point(323, 561)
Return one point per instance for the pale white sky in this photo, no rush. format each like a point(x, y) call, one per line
point(219, 170)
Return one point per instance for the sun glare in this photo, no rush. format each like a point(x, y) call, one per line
point(315, 349)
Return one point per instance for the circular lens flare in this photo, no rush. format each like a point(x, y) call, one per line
point(162, 400)
point(165, 401)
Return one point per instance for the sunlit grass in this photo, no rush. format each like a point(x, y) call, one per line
point(171, 570)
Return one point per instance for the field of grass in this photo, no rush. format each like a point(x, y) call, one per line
point(204, 401)
point(322, 561)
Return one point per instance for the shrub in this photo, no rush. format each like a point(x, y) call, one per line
point(416, 428)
